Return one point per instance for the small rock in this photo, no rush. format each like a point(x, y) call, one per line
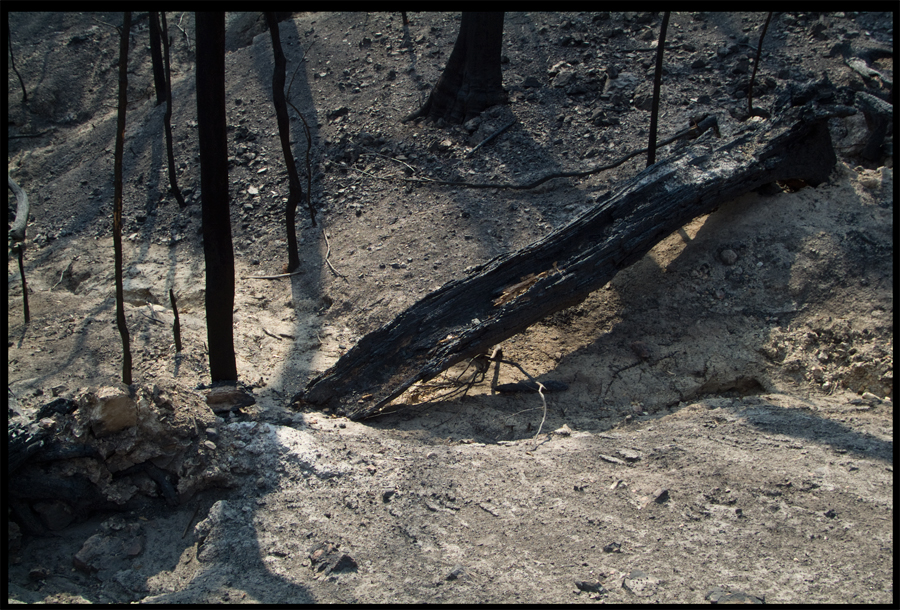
point(54, 514)
point(557, 68)
point(643, 101)
point(640, 349)
point(613, 547)
point(472, 124)
point(871, 398)
point(590, 587)
point(565, 78)
point(718, 595)
point(456, 573)
point(338, 112)
point(326, 558)
point(112, 409)
point(531, 82)
point(629, 455)
point(660, 496)
point(107, 548)
point(728, 256)
point(228, 398)
point(640, 583)
point(611, 459)
point(565, 430)
point(38, 573)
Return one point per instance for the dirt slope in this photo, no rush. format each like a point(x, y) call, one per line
point(727, 427)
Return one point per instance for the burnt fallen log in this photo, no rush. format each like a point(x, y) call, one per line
point(509, 293)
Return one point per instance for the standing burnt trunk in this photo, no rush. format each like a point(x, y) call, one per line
point(170, 153)
point(117, 199)
point(159, 78)
point(472, 80)
point(217, 247)
point(295, 191)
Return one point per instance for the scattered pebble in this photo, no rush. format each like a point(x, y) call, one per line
point(613, 547)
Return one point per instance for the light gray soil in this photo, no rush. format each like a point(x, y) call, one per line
point(728, 423)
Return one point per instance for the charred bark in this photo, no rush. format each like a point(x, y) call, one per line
point(117, 199)
point(657, 82)
point(295, 191)
point(170, 153)
point(466, 317)
point(472, 80)
point(217, 246)
point(159, 77)
point(12, 60)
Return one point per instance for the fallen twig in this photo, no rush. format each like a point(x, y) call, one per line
point(372, 152)
point(61, 275)
point(109, 25)
point(31, 135)
point(492, 136)
point(693, 131)
point(543, 400)
point(191, 520)
point(327, 252)
point(154, 320)
point(302, 57)
point(272, 277)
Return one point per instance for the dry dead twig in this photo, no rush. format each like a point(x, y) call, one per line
point(328, 252)
point(272, 277)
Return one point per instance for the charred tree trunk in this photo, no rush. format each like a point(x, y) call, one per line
point(20, 252)
point(12, 60)
point(170, 153)
point(295, 191)
point(117, 198)
point(466, 317)
point(657, 82)
point(159, 79)
point(217, 246)
point(176, 327)
point(472, 80)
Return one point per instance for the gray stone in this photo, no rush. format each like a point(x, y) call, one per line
point(54, 514)
point(565, 78)
point(110, 410)
point(228, 398)
point(728, 256)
